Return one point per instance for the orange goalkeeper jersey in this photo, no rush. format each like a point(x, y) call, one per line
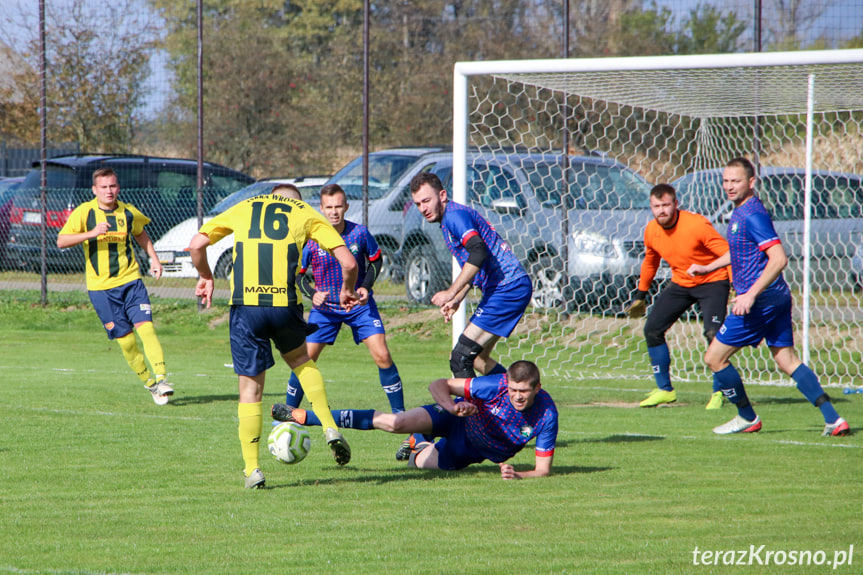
point(692, 240)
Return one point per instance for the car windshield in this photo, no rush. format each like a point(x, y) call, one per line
point(591, 186)
point(384, 171)
point(256, 189)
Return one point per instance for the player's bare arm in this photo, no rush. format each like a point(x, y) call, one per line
point(70, 240)
point(146, 244)
point(776, 262)
point(442, 391)
point(198, 250)
point(455, 293)
point(449, 308)
point(542, 469)
point(720, 262)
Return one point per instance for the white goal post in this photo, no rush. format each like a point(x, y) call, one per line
point(675, 119)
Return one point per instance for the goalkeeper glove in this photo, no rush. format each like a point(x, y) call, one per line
point(638, 306)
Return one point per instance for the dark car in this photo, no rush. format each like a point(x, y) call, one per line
point(8, 190)
point(164, 189)
point(836, 224)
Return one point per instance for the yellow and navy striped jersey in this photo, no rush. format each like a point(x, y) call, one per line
point(110, 257)
point(269, 234)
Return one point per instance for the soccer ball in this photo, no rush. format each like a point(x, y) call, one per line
point(289, 442)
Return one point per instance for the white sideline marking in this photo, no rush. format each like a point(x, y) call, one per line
point(110, 413)
point(695, 437)
point(10, 569)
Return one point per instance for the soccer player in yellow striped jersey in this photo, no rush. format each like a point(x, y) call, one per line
point(104, 227)
point(269, 234)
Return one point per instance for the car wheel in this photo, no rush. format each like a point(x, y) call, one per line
point(225, 265)
point(422, 275)
point(547, 283)
point(387, 270)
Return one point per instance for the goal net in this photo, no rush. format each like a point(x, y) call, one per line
point(577, 220)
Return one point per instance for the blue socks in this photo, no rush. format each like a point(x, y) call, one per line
point(808, 385)
point(392, 384)
point(660, 361)
point(294, 395)
point(728, 381)
point(349, 418)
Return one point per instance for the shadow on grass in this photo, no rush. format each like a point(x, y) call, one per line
point(622, 438)
point(360, 475)
point(183, 399)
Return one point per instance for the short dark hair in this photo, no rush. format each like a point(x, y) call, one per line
point(424, 178)
point(524, 371)
point(332, 190)
point(288, 191)
point(741, 162)
point(103, 173)
point(660, 190)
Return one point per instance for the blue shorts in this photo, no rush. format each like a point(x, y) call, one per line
point(253, 327)
point(364, 321)
point(454, 450)
point(502, 307)
point(772, 323)
point(120, 308)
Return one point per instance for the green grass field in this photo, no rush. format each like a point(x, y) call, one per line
point(98, 479)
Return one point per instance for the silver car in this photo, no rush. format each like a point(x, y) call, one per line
point(390, 172)
point(601, 211)
point(836, 230)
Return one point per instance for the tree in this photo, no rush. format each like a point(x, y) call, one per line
point(708, 31)
point(97, 62)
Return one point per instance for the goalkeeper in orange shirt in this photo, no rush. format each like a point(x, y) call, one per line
point(681, 238)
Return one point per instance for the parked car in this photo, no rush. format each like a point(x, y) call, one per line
point(8, 190)
point(170, 248)
point(836, 228)
point(390, 172)
point(601, 211)
point(164, 189)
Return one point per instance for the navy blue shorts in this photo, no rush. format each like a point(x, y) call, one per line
point(120, 308)
point(364, 321)
point(252, 329)
point(454, 450)
point(502, 307)
point(772, 323)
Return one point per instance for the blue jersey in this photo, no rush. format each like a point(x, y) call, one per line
point(750, 234)
point(326, 269)
point(498, 431)
point(459, 224)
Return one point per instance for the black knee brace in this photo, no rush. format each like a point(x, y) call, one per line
point(822, 399)
point(462, 356)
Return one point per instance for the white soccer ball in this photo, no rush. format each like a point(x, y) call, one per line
point(289, 442)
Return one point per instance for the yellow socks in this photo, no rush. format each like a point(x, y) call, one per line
point(313, 384)
point(251, 422)
point(152, 349)
point(133, 356)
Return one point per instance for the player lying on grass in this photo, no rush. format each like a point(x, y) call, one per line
point(489, 417)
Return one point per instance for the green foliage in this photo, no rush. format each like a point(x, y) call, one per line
point(96, 478)
point(98, 61)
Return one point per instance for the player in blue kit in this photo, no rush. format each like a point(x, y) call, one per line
point(327, 315)
point(762, 308)
point(491, 417)
point(486, 262)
